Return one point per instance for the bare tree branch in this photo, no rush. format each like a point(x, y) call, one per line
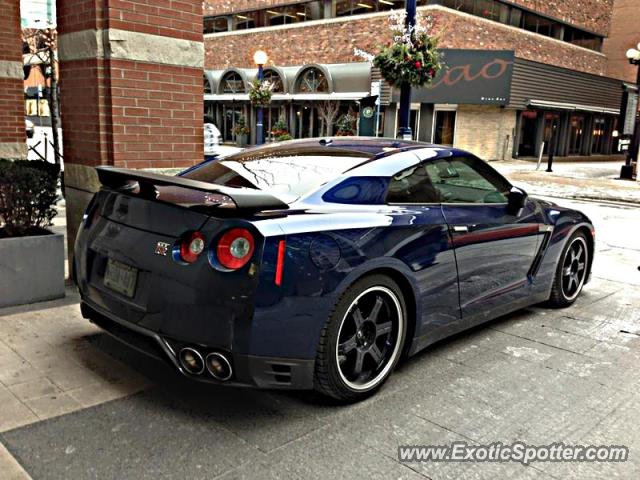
point(328, 110)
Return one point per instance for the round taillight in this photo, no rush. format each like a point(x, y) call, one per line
point(235, 248)
point(191, 247)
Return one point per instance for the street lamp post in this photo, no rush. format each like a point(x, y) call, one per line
point(404, 131)
point(260, 59)
point(626, 172)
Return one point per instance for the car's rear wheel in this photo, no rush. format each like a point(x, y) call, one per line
point(571, 272)
point(362, 340)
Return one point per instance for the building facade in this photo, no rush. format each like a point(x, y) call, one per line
point(520, 74)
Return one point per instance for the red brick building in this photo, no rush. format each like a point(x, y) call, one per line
point(131, 89)
point(557, 78)
point(623, 35)
point(12, 128)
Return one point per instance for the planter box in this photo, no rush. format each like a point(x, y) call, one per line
point(242, 140)
point(31, 269)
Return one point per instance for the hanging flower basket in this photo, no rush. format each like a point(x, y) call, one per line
point(413, 57)
point(260, 93)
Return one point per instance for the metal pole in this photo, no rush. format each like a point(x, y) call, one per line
point(53, 102)
point(259, 113)
point(626, 172)
point(552, 146)
point(404, 131)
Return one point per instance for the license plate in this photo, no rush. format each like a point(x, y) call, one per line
point(120, 278)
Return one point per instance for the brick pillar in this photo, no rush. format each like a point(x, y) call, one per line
point(131, 89)
point(13, 140)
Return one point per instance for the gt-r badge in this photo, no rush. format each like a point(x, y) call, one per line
point(162, 248)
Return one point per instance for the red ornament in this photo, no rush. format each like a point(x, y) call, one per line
point(418, 65)
point(431, 72)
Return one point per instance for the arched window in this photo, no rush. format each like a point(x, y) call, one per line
point(273, 77)
point(232, 83)
point(207, 85)
point(312, 80)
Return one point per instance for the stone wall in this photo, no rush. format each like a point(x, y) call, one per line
point(486, 131)
point(333, 41)
point(593, 15)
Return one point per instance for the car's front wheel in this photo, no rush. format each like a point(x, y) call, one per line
point(362, 340)
point(571, 271)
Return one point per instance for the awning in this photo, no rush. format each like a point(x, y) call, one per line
point(572, 107)
point(346, 81)
point(230, 97)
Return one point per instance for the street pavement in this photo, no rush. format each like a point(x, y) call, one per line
point(78, 405)
point(572, 180)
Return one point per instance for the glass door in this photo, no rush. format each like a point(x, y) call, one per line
point(444, 127)
point(600, 135)
point(528, 132)
point(551, 130)
point(230, 115)
point(576, 134)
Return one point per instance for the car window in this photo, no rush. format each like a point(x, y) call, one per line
point(358, 191)
point(288, 175)
point(466, 180)
point(412, 185)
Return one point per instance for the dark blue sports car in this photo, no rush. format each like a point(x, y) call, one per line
point(319, 263)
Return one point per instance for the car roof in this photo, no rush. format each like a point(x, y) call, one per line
point(366, 147)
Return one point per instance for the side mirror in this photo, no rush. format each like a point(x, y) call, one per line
point(517, 198)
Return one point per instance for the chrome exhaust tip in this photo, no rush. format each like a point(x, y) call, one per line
point(191, 361)
point(218, 366)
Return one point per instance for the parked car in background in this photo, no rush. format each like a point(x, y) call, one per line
point(211, 137)
point(30, 127)
point(318, 263)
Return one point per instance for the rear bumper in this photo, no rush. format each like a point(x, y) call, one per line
point(248, 370)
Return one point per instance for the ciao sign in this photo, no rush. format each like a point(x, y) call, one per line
point(470, 77)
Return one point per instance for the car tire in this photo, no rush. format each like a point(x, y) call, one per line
point(362, 340)
point(571, 272)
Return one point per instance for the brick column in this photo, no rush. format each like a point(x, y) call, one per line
point(131, 89)
point(13, 140)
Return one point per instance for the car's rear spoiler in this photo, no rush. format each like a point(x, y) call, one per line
point(150, 185)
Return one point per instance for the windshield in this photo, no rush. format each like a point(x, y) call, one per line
point(287, 174)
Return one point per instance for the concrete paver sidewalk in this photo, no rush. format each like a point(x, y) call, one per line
point(572, 180)
point(76, 404)
point(48, 366)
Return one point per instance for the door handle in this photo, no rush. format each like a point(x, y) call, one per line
point(460, 229)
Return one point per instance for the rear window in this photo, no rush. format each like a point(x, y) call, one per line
point(286, 174)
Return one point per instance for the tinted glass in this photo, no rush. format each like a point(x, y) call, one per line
point(412, 185)
point(466, 180)
point(358, 191)
point(444, 129)
point(287, 175)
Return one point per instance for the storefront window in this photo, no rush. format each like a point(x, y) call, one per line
point(232, 83)
point(230, 115)
point(312, 80)
point(576, 134)
point(272, 77)
point(528, 133)
point(444, 127)
point(551, 131)
point(601, 135)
